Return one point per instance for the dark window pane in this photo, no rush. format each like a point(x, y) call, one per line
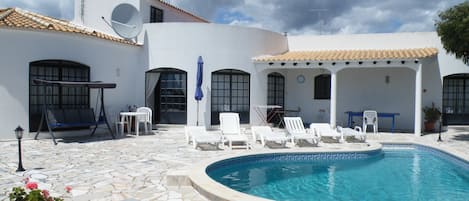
point(322, 87)
point(156, 15)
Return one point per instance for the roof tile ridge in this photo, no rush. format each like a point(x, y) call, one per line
point(6, 13)
point(32, 16)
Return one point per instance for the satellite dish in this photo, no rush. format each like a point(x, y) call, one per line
point(126, 21)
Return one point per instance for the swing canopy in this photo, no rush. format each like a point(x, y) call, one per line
point(91, 85)
point(74, 117)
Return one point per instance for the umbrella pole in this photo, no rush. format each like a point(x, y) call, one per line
point(197, 113)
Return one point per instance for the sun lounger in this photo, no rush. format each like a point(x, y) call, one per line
point(357, 133)
point(198, 135)
point(231, 130)
point(325, 130)
point(265, 134)
point(297, 131)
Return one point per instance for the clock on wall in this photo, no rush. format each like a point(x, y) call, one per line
point(300, 79)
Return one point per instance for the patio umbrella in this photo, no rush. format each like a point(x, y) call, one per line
point(198, 88)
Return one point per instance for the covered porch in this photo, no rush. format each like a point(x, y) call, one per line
point(327, 84)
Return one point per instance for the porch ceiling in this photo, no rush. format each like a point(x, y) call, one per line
point(349, 55)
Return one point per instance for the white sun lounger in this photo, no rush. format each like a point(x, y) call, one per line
point(297, 131)
point(325, 130)
point(357, 133)
point(231, 130)
point(265, 134)
point(198, 135)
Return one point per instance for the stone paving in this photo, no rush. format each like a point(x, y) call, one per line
point(134, 168)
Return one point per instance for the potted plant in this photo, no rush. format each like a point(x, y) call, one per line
point(432, 114)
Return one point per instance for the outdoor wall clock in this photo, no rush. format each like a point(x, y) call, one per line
point(300, 79)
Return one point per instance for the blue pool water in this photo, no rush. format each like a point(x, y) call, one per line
point(391, 174)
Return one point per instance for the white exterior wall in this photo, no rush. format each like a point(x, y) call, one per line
point(93, 10)
point(178, 45)
point(103, 57)
point(352, 83)
point(170, 14)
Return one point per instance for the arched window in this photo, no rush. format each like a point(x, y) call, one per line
point(322, 87)
point(230, 93)
point(61, 97)
point(456, 99)
point(168, 97)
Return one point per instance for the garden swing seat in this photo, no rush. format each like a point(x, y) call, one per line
point(76, 117)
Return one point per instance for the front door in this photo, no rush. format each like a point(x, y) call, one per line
point(456, 99)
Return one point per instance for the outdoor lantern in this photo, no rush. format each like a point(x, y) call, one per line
point(19, 132)
point(19, 135)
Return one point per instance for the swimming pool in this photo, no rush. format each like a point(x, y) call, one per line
point(396, 173)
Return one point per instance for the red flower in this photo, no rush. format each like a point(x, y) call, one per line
point(45, 193)
point(68, 189)
point(31, 185)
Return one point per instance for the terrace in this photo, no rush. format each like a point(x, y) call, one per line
point(135, 168)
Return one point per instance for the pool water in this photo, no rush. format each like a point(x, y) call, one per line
point(393, 174)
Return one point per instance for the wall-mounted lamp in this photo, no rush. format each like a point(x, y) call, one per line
point(388, 62)
point(360, 62)
point(374, 62)
point(307, 63)
point(271, 63)
point(282, 64)
point(294, 64)
point(416, 61)
point(387, 79)
point(347, 63)
point(320, 63)
point(402, 62)
point(333, 63)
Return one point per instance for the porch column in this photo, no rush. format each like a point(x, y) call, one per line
point(418, 100)
point(333, 106)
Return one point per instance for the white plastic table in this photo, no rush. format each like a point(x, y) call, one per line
point(125, 117)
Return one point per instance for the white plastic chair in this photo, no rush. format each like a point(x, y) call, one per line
point(325, 130)
point(370, 117)
point(146, 120)
point(296, 129)
point(265, 134)
point(198, 135)
point(231, 130)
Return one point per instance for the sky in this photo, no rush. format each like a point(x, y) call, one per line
point(293, 16)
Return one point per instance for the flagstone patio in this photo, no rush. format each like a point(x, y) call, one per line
point(135, 168)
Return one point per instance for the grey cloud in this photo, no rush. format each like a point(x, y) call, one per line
point(55, 8)
point(341, 16)
point(207, 8)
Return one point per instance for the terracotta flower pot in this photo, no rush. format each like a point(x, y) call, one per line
point(429, 126)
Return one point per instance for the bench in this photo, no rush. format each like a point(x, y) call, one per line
point(68, 118)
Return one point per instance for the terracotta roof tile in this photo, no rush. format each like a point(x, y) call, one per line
point(18, 18)
point(343, 55)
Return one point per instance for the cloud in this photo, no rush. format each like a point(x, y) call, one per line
point(292, 16)
point(326, 16)
point(62, 9)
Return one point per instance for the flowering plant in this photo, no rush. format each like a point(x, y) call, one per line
point(32, 193)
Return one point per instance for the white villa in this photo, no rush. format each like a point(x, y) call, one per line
point(320, 77)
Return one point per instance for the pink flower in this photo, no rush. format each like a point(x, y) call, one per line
point(68, 189)
point(45, 193)
point(31, 185)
